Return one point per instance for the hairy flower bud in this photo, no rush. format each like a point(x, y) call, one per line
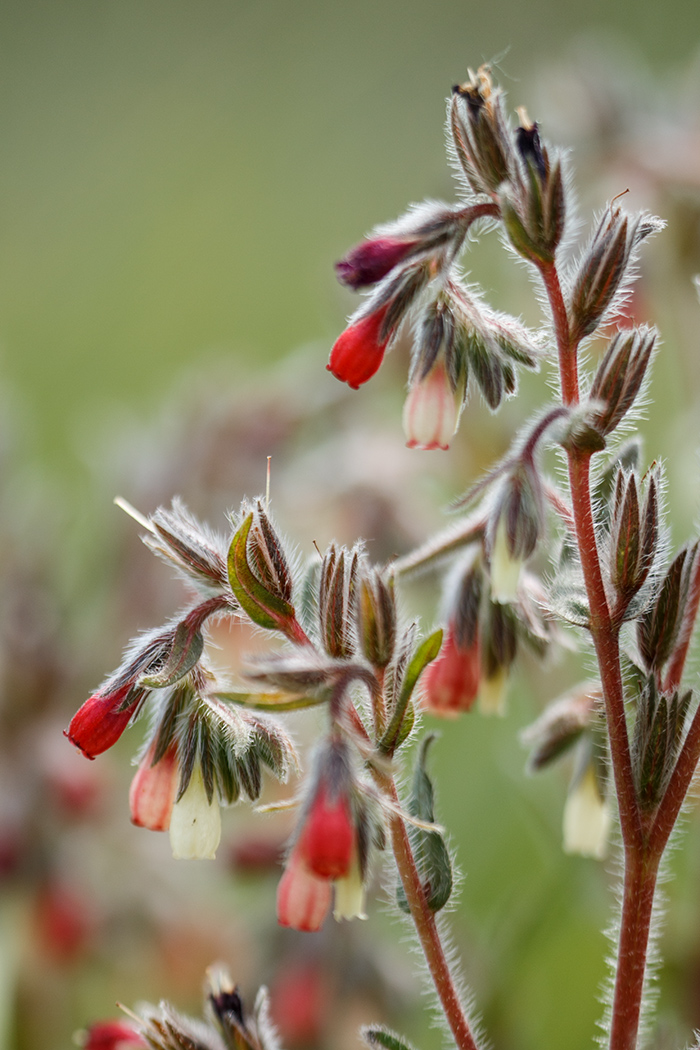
point(359, 351)
point(482, 140)
point(372, 260)
point(195, 822)
point(633, 536)
point(337, 600)
point(377, 618)
point(620, 375)
point(102, 719)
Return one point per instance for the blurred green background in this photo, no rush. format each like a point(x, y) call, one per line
point(176, 180)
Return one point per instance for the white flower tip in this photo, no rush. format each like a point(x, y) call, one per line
point(505, 569)
point(195, 824)
point(587, 819)
point(492, 694)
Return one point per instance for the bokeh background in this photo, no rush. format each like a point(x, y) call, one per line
point(176, 180)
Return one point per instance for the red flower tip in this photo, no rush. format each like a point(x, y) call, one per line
point(112, 1035)
point(153, 789)
point(99, 723)
point(367, 263)
point(359, 351)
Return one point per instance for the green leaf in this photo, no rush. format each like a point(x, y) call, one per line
point(429, 848)
point(264, 608)
point(424, 654)
point(378, 1036)
point(188, 645)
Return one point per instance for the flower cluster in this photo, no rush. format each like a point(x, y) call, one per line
point(410, 267)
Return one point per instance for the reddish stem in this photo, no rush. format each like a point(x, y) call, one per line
point(640, 865)
point(426, 926)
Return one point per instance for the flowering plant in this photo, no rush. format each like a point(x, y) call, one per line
point(344, 645)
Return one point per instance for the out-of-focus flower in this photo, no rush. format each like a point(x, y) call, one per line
point(505, 567)
point(153, 789)
point(195, 822)
point(369, 262)
point(101, 720)
point(303, 899)
point(327, 841)
point(451, 682)
point(431, 411)
point(359, 351)
point(111, 1035)
point(587, 817)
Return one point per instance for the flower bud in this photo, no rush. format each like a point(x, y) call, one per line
point(359, 351)
point(195, 822)
point(372, 260)
point(431, 410)
point(111, 1035)
point(482, 140)
point(153, 790)
point(102, 719)
point(337, 600)
point(377, 618)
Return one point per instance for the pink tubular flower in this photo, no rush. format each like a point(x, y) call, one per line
point(451, 682)
point(431, 411)
point(303, 899)
point(153, 789)
point(368, 262)
point(99, 723)
point(112, 1035)
point(359, 351)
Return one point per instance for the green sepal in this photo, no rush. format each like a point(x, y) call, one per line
point(188, 645)
point(429, 847)
point(273, 701)
point(264, 608)
point(376, 1036)
point(424, 654)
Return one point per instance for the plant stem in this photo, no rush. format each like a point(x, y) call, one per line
point(640, 863)
point(637, 907)
point(426, 926)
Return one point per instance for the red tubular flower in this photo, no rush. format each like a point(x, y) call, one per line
point(112, 1035)
point(431, 411)
point(451, 682)
point(153, 789)
point(303, 900)
point(99, 723)
point(359, 351)
point(327, 841)
point(368, 262)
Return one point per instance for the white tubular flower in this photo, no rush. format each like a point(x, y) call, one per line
point(587, 818)
point(350, 895)
point(505, 569)
point(195, 824)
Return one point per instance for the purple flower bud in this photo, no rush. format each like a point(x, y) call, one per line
point(369, 262)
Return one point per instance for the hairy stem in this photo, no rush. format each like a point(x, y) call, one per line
point(426, 926)
point(640, 864)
